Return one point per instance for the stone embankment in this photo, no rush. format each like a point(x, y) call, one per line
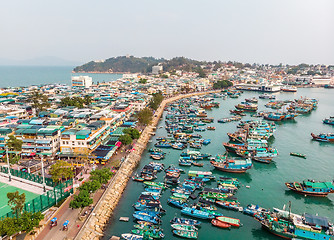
point(95, 224)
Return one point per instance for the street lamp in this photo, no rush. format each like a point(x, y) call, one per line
point(9, 173)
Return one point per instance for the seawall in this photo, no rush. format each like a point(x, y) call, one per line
point(95, 224)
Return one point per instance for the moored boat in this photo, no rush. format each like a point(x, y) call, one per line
point(311, 188)
point(323, 137)
point(186, 234)
point(220, 224)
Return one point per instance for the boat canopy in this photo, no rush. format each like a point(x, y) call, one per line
point(316, 220)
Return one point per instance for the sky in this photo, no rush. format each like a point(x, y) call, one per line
point(253, 31)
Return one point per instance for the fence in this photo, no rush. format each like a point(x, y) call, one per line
point(28, 176)
point(46, 200)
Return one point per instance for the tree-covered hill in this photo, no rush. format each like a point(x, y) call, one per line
point(143, 65)
point(120, 64)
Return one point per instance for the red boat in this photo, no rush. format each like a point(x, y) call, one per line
point(220, 224)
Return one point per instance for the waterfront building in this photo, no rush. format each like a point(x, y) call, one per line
point(82, 81)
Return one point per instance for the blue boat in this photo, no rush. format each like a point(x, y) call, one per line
point(329, 121)
point(163, 145)
point(323, 137)
point(147, 218)
point(148, 213)
point(206, 141)
point(196, 213)
point(177, 203)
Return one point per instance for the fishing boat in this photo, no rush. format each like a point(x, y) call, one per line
point(230, 205)
point(312, 188)
point(129, 236)
point(157, 156)
point(198, 164)
point(146, 218)
point(247, 107)
point(186, 221)
point(153, 234)
point(252, 100)
point(293, 226)
point(155, 184)
point(138, 178)
point(185, 162)
point(206, 141)
point(329, 121)
point(232, 221)
point(211, 128)
point(177, 203)
point(289, 88)
point(184, 227)
point(229, 119)
point(323, 137)
point(238, 112)
point(267, 96)
point(297, 154)
point(196, 213)
point(233, 166)
point(186, 234)
point(200, 174)
point(220, 224)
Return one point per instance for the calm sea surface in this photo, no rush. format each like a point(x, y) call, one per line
point(266, 182)
point(22, 76)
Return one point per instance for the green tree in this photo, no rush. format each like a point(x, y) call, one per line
point(125, 139)
point(14, 145)
point(134, 133)
point(9, 226)
point(16, 201)
point(61, 169)
point(145, 116)
point(156, 100)
point(81, 200)
point(90, 186)
point(142, 80)
point(87, 100)
point(30, 220)
point(101, 175)
point(222, 84)
point(39, 101)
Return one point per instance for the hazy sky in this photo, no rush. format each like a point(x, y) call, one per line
point(262, 31)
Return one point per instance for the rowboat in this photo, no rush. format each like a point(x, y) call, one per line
point(186, 221)
point(220, 224)
point(298, 155)
point(129, 236)
point(184, 227)
point(186, 234)
point(232, 221)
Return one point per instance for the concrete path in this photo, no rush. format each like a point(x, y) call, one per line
point(24, 184)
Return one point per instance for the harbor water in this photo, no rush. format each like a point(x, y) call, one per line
point(23, 76)
point(265, 182)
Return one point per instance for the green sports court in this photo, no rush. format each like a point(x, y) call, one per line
point(4, 189)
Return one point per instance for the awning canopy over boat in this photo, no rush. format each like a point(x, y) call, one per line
point(316, 220)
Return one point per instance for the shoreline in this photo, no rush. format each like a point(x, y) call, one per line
point(94, 226)
point(98, 72)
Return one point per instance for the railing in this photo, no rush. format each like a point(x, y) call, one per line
point(46, 200)
point(28, 176)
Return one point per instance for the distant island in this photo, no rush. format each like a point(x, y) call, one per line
point(131, 64)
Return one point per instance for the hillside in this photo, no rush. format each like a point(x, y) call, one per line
point(144, 65)
point(120, 64)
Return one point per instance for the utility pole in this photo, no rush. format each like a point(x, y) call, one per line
point(9, 173)
point(44, 188)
